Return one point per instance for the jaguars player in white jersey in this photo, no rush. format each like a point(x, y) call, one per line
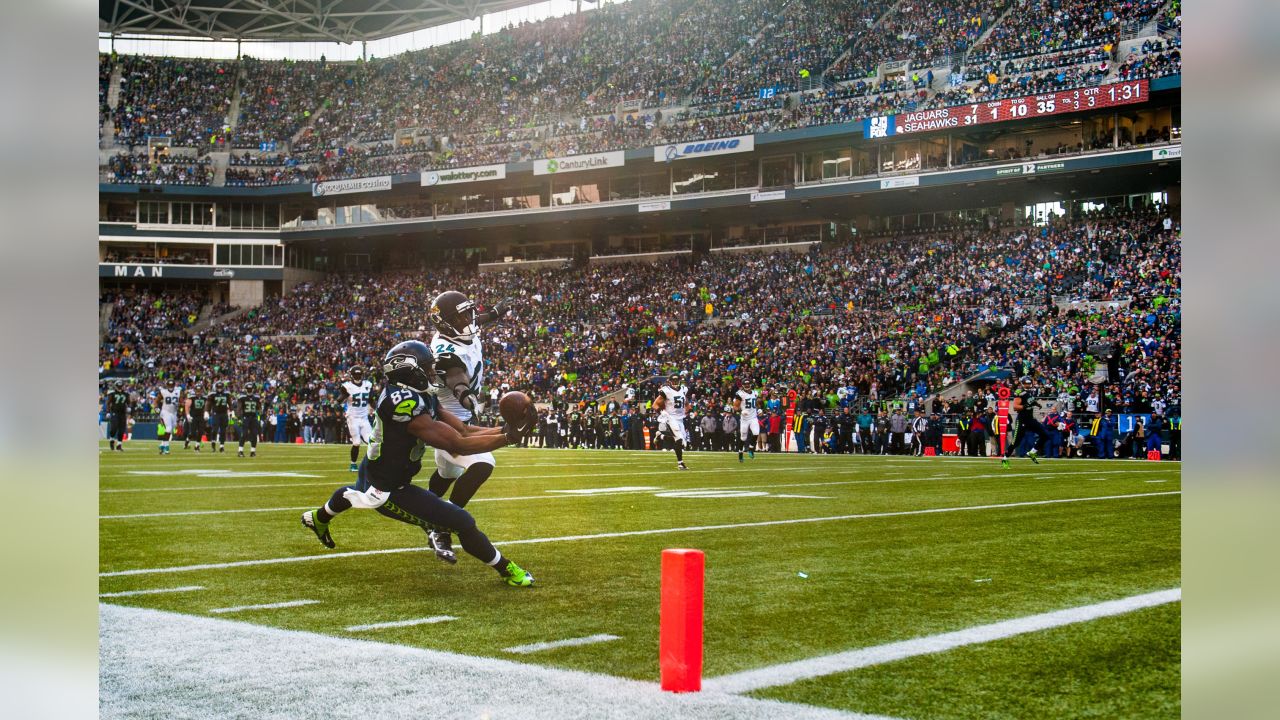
point(168, 415)
point(747, 404)
point(356, 392)
point(459, 364)
point(671, 405)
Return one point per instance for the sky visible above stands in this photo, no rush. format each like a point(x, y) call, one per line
point(440, 35)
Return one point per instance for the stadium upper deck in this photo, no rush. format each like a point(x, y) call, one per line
point(631, 75)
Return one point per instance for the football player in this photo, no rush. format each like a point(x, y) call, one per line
point(747, 404)
point(356, 393)
point(408, 418)
point(671, 404)
point(250, 414)
point(168, 415)
point(1021, 424)
point(118, 407)
point(219, 415)
point(197, 403)
point(459, 363)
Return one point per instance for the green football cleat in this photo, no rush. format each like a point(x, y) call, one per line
point(516, 575)
point(320, 529)
point(1004, 462)
point(1034, 456)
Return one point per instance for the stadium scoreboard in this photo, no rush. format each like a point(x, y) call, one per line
point(1017, 108)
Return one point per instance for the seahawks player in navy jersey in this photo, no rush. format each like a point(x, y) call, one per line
point(250, 420)
point(1023, 423)
point(219, 415)
point(407, 420)
point(118, 407)
point(197, 402)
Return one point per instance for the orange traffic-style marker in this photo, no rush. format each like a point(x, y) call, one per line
point(680, 627)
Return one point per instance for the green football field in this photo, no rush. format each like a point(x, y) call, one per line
point(807, 559)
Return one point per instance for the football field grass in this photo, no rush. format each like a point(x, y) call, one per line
point(806, 557)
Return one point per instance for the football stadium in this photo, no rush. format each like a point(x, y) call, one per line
point(640, 359)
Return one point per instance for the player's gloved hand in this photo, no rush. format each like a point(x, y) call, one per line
point(513, 432)
point(370, 499)
point(502, 307)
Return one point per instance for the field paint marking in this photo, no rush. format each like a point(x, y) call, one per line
point(788, 673)
point(1079, 471)
point(607, 490)
point(402, 623)
point(1155, 481)
point(805, 497)
point(672, 471)
point(155, 591)
point(266, 606)
point(181, 513)
point(223, 473)
point(157, 664)
point(630, 533)
point(571, 642)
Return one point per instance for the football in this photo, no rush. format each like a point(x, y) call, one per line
point(513, 406)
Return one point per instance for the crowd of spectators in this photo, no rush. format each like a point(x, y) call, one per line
point(552, 88)
point(160, 168)
point(185, 99)
point(1153, 59)
point(923, 32)
point(796, 41)
point(1046, 26)
point(896, 316)
point(277, 98)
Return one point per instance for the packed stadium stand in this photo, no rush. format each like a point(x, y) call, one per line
point(680, 70)
point(866, 203)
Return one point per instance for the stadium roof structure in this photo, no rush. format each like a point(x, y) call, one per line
point(343, 21)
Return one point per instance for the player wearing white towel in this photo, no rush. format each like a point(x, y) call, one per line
point(168, 415)
point(747, 404)
point(459, 364)
point(671, 404)
point(356, 392)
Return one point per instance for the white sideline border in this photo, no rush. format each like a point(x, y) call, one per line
point(632, 533)
point(793, 672)
point(158, 664)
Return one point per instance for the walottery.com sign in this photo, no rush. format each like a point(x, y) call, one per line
point(575, 163)
point(1031, 168)
point(475, 173)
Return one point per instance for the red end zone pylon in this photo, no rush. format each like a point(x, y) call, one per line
point(680, 624)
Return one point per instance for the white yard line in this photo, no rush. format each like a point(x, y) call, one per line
point(788, 673)
point(632, 533)
point(154, 591)
point(552, 645)
point(402, 623)
point(558, 494)
point(265, 606)
point(158, 664)
point(559, 476)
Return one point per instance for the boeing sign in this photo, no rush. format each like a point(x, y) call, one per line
point(704, 148)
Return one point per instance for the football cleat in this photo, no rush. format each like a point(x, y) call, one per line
point(240, 453)
point(1034, 456)
point(516, 575)
point(1004, 462)
point(253, 453)
point(751, 454)
point(441, 542)
point(681, 466)
point(353, 468)
point(320, 529)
